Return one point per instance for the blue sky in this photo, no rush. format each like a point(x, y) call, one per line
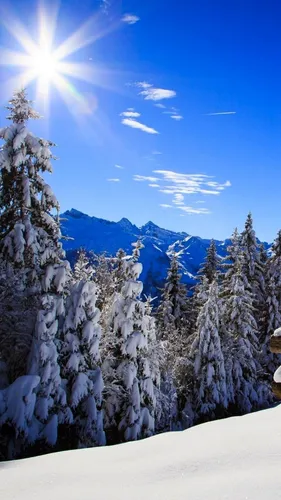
point(170, 70)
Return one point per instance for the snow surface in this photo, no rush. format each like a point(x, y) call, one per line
point(277, 333)
point(234, 459)
point(277, 375)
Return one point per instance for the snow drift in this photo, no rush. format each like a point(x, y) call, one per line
point(238, 458)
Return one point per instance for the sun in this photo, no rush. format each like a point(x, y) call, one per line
point(44, 64)
point(49, 65)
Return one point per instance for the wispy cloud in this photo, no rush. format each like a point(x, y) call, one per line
point(177, 117)
point(151, 93)
point(135, 124)
point(105, 6)
point(160, 105)
point(119, 166)
point(194, 211)
point(141, 178)
point(130, 18)
point(113, 180)
point(130, 113)
point(221, 113)
point(175, 182)
point(156, 152)
point(179, 185)
point(174, 113)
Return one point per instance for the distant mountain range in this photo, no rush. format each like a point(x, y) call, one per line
point(102, 235)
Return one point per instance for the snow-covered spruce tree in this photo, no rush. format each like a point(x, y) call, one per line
point(210, 399)
point(148, 368)
point(173, 311)
point(81, 361)
point(233, 254)
point(82, 267)
point(210, 266)
point(230, 264)
point(206, 275)
point(29, 242)
point(129, 398)
point(104, 269)
point(253, 267)
point(119, 269)
point(272, 312)
point(240, 342)
point(173, 324)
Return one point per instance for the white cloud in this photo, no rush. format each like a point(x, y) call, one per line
point(164, 205)
point(178, 199)
point(135, 124)
point(143, 85)
point(113, 180)
point(180, 185)
point(130, 18)
point(119, 166)
point(192, 210)
point(151, 93)
point(156, 152)
point(130, 113)
point(177, 117)
point(175, 182)
point(221, 113)
point(160, 105)
point(141, 178)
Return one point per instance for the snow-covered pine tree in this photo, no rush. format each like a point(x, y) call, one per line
point(210, 266)
point(240, 343)
point(173, 325)
point(272, 312)
point(233, 254)
point(230, 264)
point(129, 398)
point(253, 268)
point(209, 385)
point(29, 241)
point(206, 274)
point(82, 267)
point(149, 370)
point(104, 268)
point(173, 311)
point(119, 270)
point(81, 361)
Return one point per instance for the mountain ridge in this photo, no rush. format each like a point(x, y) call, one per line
point(100, 235)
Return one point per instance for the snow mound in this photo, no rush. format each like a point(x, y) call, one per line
point(234, 459)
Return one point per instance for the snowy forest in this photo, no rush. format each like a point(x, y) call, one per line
point(85, 358)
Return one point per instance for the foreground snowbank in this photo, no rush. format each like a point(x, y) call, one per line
point(238, 458)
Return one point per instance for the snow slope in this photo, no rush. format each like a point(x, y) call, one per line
point(234, 459)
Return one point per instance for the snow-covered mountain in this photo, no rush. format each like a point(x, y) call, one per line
point(102, 235)
point(232, 459)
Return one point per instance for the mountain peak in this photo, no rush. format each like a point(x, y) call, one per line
point(149, 227)
point(150, 224)
point(75, 213)
point(126, 224)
